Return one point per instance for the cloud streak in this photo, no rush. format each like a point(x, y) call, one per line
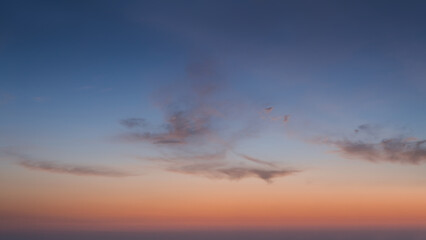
point(389, 150)
point(258, 161)
point(73, 169)
point(393, 149)
point(217, 170)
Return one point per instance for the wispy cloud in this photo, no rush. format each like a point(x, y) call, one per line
point(258, 161)
point(73, 169)
point(176, 158)
point(134, 122)
point(391, 150)
point(180, 127)
point(373, 148)
point(218, 170)
point(200, 128)
point(267, 175)
point(189, 113)
point(266, 114)
point(286, 118)
point(216, 165)
point(268, 109)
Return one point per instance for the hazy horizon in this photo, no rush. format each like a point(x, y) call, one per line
point(329, 234)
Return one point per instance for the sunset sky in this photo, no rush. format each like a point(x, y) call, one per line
point(194, 115)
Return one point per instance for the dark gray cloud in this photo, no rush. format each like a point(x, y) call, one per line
point(373, 148)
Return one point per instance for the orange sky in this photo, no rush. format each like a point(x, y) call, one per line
point(169, 201)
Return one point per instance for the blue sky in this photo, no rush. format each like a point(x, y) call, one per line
point(70, 72)
point(215, 89)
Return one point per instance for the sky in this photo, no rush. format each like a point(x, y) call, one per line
point(194, 115)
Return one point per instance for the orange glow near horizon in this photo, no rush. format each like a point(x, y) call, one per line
point(180, 202)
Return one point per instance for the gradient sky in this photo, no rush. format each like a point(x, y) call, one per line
point(165, 115)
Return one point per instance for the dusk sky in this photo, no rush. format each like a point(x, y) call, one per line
point(212, 115)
